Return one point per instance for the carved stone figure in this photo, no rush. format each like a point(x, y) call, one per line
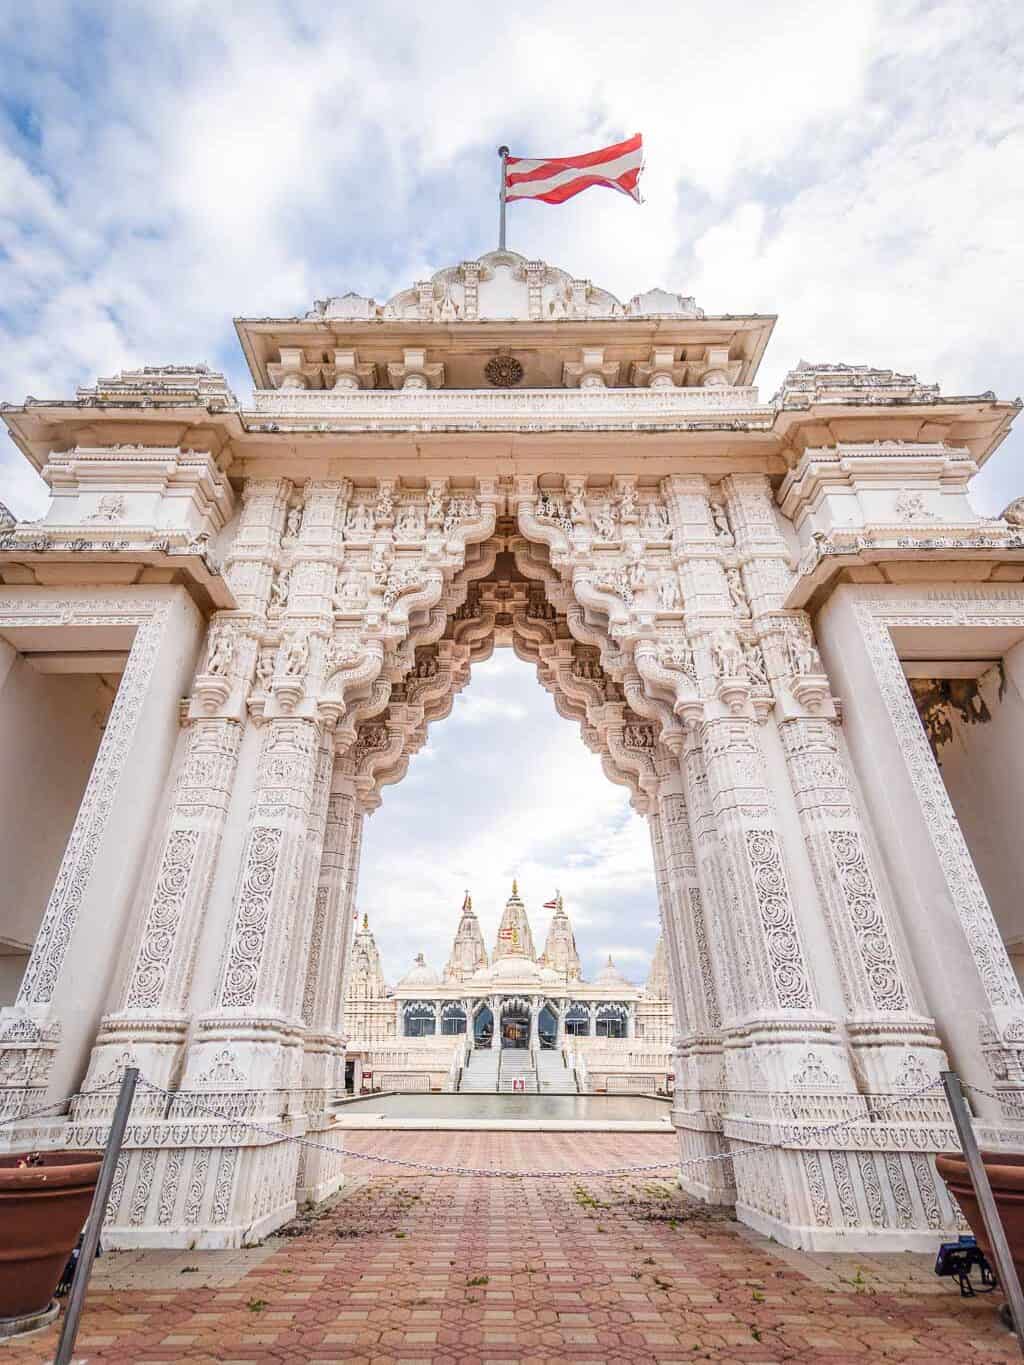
point(753, 658)
point(655, 520)
point(803, 656)
point(728, 656)
point(293, 523)
point(435, 506)
point(384, 511)
point(627, 503)
point(265, 663)
point(379, 566)
point(111, 507)
point(296, 657)
point(736, 593)
point(604, 521)
point(410, 523)
point(359, 519)
point(720, 519)
point(280, 588)
point(668, 592)
point(222, 652)
point(577, 506)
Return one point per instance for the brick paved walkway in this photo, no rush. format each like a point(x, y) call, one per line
point(427, 1268)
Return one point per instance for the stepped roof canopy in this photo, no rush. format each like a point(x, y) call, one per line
point(474, 301)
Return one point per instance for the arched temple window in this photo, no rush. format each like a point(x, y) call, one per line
point(420, 1019)
point(577, 1021)
point(611, 1021)
point(453, 1018)
point(483, 1027)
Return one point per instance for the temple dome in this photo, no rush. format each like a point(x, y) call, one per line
point(514, 968)
point(610, 976)
point(420, 974)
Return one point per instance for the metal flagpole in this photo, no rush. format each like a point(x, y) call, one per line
point(94, 1223)
point(1005, 1269)
point(503, 153)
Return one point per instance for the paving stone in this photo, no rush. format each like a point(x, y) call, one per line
point(558, 1288)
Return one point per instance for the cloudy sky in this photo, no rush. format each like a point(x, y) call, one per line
point(853, 167)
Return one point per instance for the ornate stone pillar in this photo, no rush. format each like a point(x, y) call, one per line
point(883, 1014)
point(534, 1023)
point(631, 1019)
point(149, 1027)
point(563, 1005)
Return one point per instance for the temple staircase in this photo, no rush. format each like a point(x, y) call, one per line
point(480, 1074)
point(554, 1075)
point(518, 1073)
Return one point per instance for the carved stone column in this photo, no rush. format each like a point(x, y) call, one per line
point(699, 1066)
point(894, 1044)
point(149, 1028)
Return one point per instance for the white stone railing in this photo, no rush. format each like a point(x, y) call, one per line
point(502, 408)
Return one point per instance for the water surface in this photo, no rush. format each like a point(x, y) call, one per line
point(591, 1108)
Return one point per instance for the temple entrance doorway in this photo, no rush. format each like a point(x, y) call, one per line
point(515, 1030)
point(483, 1028)
point(547, 1027)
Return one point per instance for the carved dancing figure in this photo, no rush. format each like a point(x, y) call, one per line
point(668, 592)
point(736, 594)
point(293, 523)
point(384, 511)
point(280, 588)
point(379, 566)
point(222, 651)
point(627, 503)
point(604, 521)
point(296, 657)
point(265, 663)
point(435, 505)
point(577, 506)
point(753, 657)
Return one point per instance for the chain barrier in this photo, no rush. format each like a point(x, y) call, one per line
point(59, 1104)
point(813, 1134)
point(806, 1136)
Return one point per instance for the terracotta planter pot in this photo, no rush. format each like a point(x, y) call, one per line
point(42, 1210)
point(1006, 1176)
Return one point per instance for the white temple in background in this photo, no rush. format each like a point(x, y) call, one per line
point(236, 622)
point(614, 1035)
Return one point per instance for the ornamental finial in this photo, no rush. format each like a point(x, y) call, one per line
point(515, 887)
point(366, 920)
point(467, 903)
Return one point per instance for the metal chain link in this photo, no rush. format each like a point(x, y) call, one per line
point(815, 1134)
point(58, 1104)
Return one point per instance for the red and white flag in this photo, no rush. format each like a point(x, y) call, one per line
point(555, 179)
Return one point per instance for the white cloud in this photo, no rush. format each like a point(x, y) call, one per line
point(166, 166)
point(524, 800)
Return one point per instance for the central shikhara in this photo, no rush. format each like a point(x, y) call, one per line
point(292, 592)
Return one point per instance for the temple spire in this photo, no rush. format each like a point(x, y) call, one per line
point(560, 947)
point(468, 953)
point(515, 938)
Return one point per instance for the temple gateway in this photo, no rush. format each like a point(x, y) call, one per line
point(236, 623)
point(575, 1035)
